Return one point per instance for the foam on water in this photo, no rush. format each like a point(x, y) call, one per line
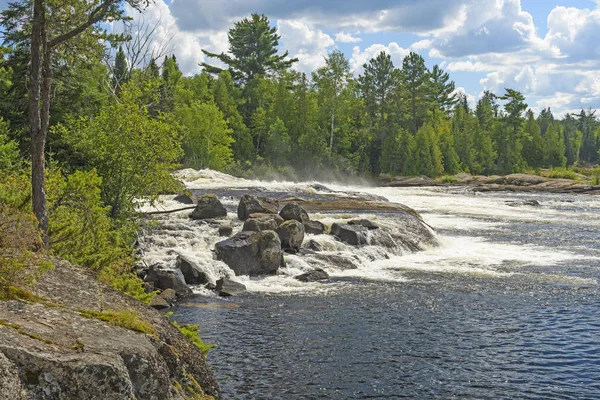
point(442, 209)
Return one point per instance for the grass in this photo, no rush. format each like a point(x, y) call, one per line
point(122, 318)
point(562, 173)
point(191, 332)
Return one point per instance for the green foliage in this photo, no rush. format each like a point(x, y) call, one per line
point(448, 179)
point(206, 137)
point(554, 147)
point(192, 332)
point(562, 173)
point(426, 156)
point(127, 319)
point(9, 151)
point(278, 144)
point(132, 152)
point(253, 48)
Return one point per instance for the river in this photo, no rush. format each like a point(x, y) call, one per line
point(507, 306)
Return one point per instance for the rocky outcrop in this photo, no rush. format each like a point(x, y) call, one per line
point(192, 273)
point(291, 234)
point(162, 279)
point(225, 230)
point(251, 253)
point(313, 276)
point(183, 199)
point(253, 204)
point(293, 211)
point(208, 207)
point(314, 227)
point(355, 235)
point(51, 350)
point(226, 287)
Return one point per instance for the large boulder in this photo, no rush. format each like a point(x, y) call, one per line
point(291, 234)
point(225, 230)
point(293, 211)
point(251, 253)
point(226, 287)
point(260, 224)
point(208, 207)
point(184, 199)
point(314, 227)
point(274, 217)
point(355, 235)
point(162, 279)
point(192, 273)
point(252, 204)
point(313, 276)
point(314, 245)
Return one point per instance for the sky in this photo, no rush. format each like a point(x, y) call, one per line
point(547, 49)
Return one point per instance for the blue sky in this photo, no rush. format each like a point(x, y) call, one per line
point(548, 49)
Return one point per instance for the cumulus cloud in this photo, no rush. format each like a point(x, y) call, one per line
point(343, 37)
point(304, 42)
point(361, 57)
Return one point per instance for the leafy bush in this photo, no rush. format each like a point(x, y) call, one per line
point(562, 173)
point(192, 332)
point(448, 179)
point(127, 283)
point(9, 151)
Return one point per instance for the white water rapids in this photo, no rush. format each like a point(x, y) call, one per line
point(474, 231)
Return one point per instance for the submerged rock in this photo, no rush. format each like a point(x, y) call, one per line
point(253, 204)
point(225, 230)
point(314, 227)
point(291, 234)
point(314, 245)
point(226, 287)
point(208, 207)
point(192, 273)
point(355, 235)
point(293, 211)
point(313, 276)
point(532, 202)
point(251, 253)
point(370, 225)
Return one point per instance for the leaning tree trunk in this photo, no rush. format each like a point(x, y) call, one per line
point(38, 136)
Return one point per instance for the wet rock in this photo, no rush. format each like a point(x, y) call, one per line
point(337, 261)
point(208, 207)
point(253, 204)
point(148, 286)
point(291, 234)
point(260, 224)
point(314, 245)
point(370, 225)
point(532, 203)
point(225, 230)
point(313, 276)
point(355, 235)
point(314, 227)
point(192, 272)
point(293, 211)
point(168, 280)
point(183, 199)
point(168, 295)
point(251, 253)
point(226, 287)
point(159, 303)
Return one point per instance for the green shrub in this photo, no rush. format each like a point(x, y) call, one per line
point(562, 173)
point(448, 179)
point(127, 283)
point(192, 332)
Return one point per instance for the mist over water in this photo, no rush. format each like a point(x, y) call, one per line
point(506, 307)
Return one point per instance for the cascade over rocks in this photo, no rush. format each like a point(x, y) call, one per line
point(208, 207)
point(370, 225)
point(253, 204)
point(291, 234)
point(251, 253)
point(293, 211)
point(314, 245)
point(183, 199)
point(355, 235)
point(314, 227)
point(226, 287)
point(192, 273)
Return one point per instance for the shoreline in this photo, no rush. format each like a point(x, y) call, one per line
point(510, 183)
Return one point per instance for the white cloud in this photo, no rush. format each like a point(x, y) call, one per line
point(309, 45)
point(361, 57)
point(343, 37)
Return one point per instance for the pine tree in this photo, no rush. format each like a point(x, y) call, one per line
point(554, 147)
point(426, 158)
point(120, 71)
point(415, 79)
point(533, 144)
point(441, 90)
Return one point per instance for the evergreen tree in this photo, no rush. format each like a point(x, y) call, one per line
point(554, 147)
point(415, 79)
point(278, 144)
point(573, 139)
point(426, 158)
point(252, 51)
point(462, 133)
point(441, 91)
point(533, 144)
point(590, 140)
point(120, 73)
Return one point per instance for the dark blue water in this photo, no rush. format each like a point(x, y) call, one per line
point(437, 335)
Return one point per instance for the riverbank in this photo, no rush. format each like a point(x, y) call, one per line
point(496, 183)
point(75, 337)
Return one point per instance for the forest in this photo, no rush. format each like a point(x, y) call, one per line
point(92, 121)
